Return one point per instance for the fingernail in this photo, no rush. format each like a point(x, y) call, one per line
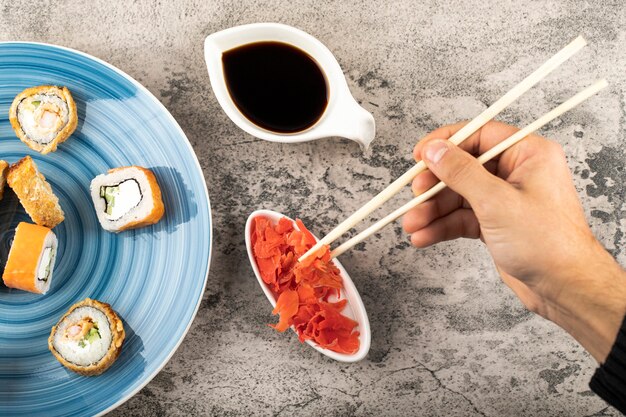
point(435, 150)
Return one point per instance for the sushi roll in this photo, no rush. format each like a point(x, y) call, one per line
point(35, 193)
point(43, 117)
point(4, 170)
point(31, 259)
point(126, 198)
point(88, 338)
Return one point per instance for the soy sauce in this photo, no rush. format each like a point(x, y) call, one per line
point(276, 85)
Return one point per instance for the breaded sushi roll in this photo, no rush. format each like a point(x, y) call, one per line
point(35, 193)
point(126, 198)
point(43, 117)
point(4, 171)
point(88, 338)
point(31, 259)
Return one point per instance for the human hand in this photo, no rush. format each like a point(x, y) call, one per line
point(525, 208)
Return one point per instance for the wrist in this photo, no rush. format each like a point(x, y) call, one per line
point(591, 302)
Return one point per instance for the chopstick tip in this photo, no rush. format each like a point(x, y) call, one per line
point(580, 40)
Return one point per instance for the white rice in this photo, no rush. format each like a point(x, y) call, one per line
point(131, 204)
point(46, 257)
point(26, 117)
point(92, 352)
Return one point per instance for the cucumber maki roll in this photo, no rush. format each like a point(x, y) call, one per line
point(126, 198)
point(88, 338)
point(43, 117)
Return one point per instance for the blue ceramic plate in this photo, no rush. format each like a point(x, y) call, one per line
point(153, 277)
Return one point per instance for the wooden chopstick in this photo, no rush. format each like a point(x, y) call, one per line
point(490, 154)
point(465, 132)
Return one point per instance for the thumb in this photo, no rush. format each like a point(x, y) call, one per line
point(462, 173)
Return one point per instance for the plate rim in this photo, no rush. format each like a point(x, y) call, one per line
point(206, 194)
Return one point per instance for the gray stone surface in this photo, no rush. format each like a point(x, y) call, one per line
point(448, 337)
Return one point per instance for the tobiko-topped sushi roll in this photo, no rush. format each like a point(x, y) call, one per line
point(31, 259)
point(88, 338)
point(126, 198)
point(43, 117)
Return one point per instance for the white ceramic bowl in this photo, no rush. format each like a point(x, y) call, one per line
point(355, 308)
point(343, 116)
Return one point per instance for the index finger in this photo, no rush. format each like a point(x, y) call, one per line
point(486, 138)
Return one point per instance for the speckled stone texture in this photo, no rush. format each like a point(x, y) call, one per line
point(448, 337)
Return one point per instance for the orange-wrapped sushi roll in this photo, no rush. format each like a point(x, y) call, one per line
point(126, 198)
point(31, 259)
